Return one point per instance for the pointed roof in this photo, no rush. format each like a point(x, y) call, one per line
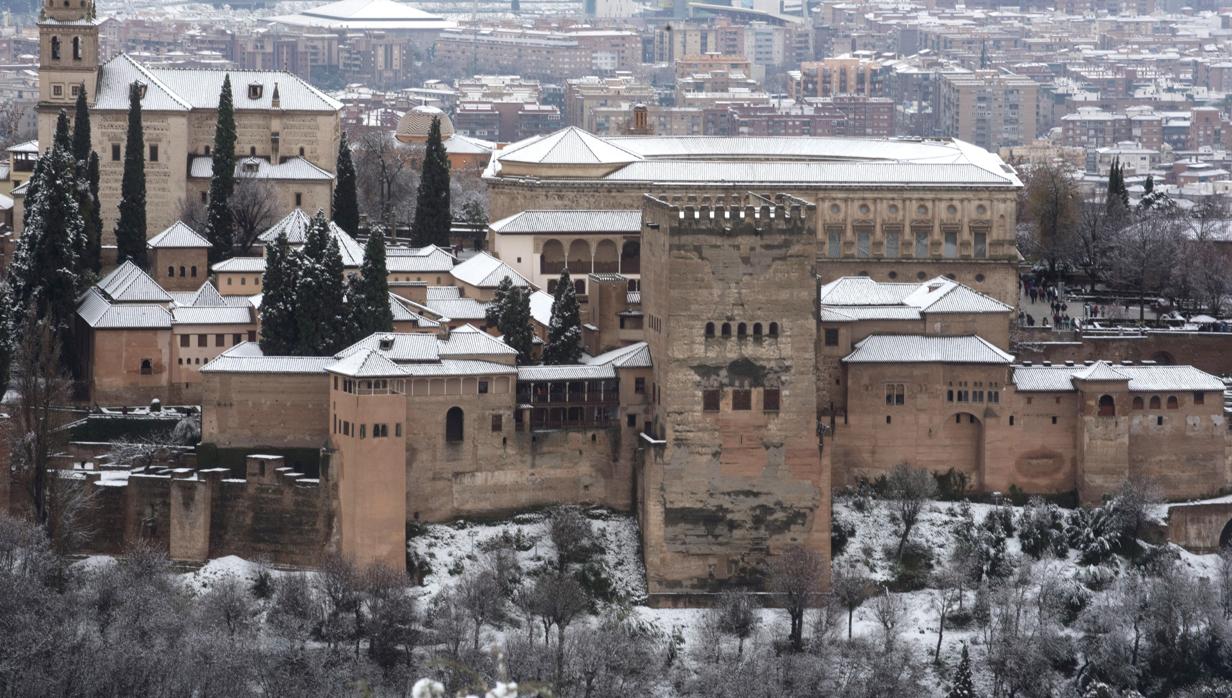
point(569, 146)
point(295, 225)
point(485, 271)
point(635, 355)
point(207, 297)
point(1100, 371)
point(178, 236)
point(127, 283)
point(366, 363)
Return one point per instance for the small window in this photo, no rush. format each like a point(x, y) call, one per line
point(55, 48)
point(252, 335)
point(895, 393)
point(639, 386)
point(1054, 420)
point(205, 198)
point(236, 338)
point(742, 399)
point(1155, 402)
point(831, 337)
point(193, 271)
point(184, 340)
point(1011, 420)
point(183, 272)
point(153, 152)
point(726, 331)
point(1173, 403)
point(398, 429)
point(57, 90)
point(115, 152)
point(757, 330)
point(1107, 406)
point(770, 400)
point(299, 199)
point(74, 90)
point(147, 367)
point(203, 340)
point(709, 329)
point(1138, 404)
point(631, 421)
point(1159, 421)
point(483, 387)
point(220, 340)
point(454, 428)
point(1199, 397)
point(363, 431)
point(711, 400)
point(170, 271)
point(255, 90)
point(742, 330)
point(497, 422)
point(774, 329)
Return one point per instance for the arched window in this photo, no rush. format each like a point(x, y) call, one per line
point(76, 48)
point(453, 425)
point(726, 331)
point(1154, 402)
point(1173, 403)
point(742, 330)
point(607, 258)
point(147, 367)
point(193, 271)
point(552, 258)
point(709, 329)
point(631, 258)
point(1138, 404)
point(55, 48)
point(1107, 406)
point(182, 271)
point(579, 257)
point(774, 329)
point(170, 271)
point(757, 329)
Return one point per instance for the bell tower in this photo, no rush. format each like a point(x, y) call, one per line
point(68, 54)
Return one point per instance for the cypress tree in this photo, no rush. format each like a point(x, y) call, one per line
point(432, 214)
point(81, 128)
point(1117, 194)
point(220, 225)
point(963, 686)
point(320, 293)
point(8, 319)
point(131, 228)
point(493, 313)
point(346, 197)
point(93, 217)
point(279, 326)
point(514, 323)
point(370, 310)
point(565, 331)
point(45, 269)
point(1148, 186)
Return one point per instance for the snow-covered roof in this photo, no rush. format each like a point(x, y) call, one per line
point(240, 264)
point(1141, 377)
point(291, 169)
point(178, 236)
point(101, 313)
point(635, 355)
point(186, 89)
point(443, 293)
point(128, 283)
point(365, 362)
point(218, 315)
point(541, 307)
point(397, 347)
point(568, 146)
point(853, 298)
point(485, 271)
point(418, 260)
point(243, 359)
point(366, 15)
point(914, 348)
point(459, 308)
point(207, 297)
point(295, 225)
point(469, 341)
point(566, 373)
point(627, 221)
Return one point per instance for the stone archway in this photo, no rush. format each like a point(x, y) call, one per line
point(552, 257)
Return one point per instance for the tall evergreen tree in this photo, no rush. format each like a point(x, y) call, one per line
point(320, 293)
point(432, 213)
point(963, 686)
point(493, 313)
point(1148, 187)
point(220, 224)
point(131, 227)
point(1117, 195)
point(369, 295)
point(564, 344)
point(93, 217)
point(346, 195)
point(45, 270)
point(279, 325)
point(8, 320)
point(515, 321)
point(81, 128)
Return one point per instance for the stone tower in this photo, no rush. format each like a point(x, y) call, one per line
point(68, 59)
point(732, 472)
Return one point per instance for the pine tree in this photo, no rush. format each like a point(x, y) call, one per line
point(279, 326)
point(432, 213)
point(963, 687)
point(1148, 186)
point(220, 225)
point(346, 197)
point(81, 128)
point(515, 323)
point(369, 295)
point(45, 269)
point(320, 293)
point(493, 313)
point(131, 228)
point(565, 331)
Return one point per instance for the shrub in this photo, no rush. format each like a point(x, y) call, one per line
point(263, 583)
point(1074, 600)
point(911, 572)
point(841, 531)
point(952, 485)
point(1095, 533)
point(594, 579)
point(1041, 529)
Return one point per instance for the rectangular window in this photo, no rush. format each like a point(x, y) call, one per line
point(299, 199)
point(994, 396)
point(398, 429)
point(981, 246)
point(236, 338)
point(631, 421)
point(895, 393)
point(115, 152)
point(770, 400)
point(483, 387)
point(220, 340)
point(184, 340)
point(363, 431)
point(834, 241)
point(153, 153)
point(1199, 398)
point(831, 337)
point(921, 243)
point(252, 335)
point(892, 243)
point(203, 340)
point(742, 399)
point(710, 400)
point(864, 241)
point(951, 244)
point(498, 422)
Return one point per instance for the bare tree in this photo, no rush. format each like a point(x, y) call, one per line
point(386, 178)
point(479, 594)
point(194, 213)
point(1051, 209)
point(890, 612)
point(947, 588)
point(850, 589)
point(254, 208)
point(1144, 255)
point(908, 490)
point(736, 615)
point(572, 535)
point(795, 576)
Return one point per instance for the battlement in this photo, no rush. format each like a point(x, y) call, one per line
point(781, 212)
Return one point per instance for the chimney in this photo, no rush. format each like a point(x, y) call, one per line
point(386, 342)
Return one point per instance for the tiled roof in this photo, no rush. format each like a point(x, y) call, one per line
point(570, 145)
point(470, 341)
point(365, 362)
point(402, 349)
point(458, 367)
point(485, 271)
point(940, 295)
point(1100, 371)
point(633, 356)
point(409, 311)
point(459, 308)
point(853, 313)
point(443, 293)
point(418, 260)
point(206, 297)
point(862, 290)
point(226, 363)
point(633, 298)
point(180, 89)
point(295, 226)
point(565, 373)
point(178, 235)
point(357, 15)
point(570, 221)
point(127, 283)
point(225, 315)
point(541, 307)
point(892, 348)
point(100, 313)
point(1142, 378)
point(291, 169)
point(240, 264)
point(794, 173)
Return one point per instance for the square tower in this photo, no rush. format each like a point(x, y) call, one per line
point(732, 471)
point(68, 53)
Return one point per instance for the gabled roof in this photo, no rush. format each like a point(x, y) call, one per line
point(844, 296)
point(295, 225)
point(291, 169)
point(1143, 378)
point(568, 146)
point(240, 265)
point(942, 295)
point(635, 355)
point(459, 308)
point(418, 260)
point(1100, 371)
point(365, 363)
point(101, 314)
point(541, 307)
point(127, 283)
point(485, 271)
point(862, 290)
point(206, 297)
point(469, 341)
point(914, 348)
point(570, 221)
point(403, 347)
point(215, 315)
point(178, 236)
